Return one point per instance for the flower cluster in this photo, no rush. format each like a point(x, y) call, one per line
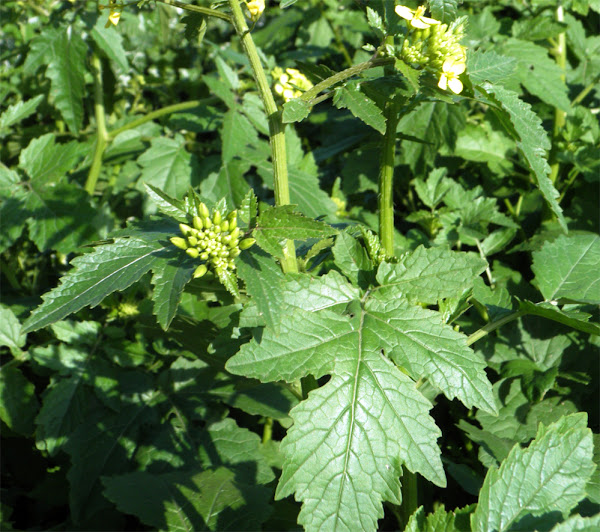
point(214, 239)
point(255, 8)
point(291, 83)
point(435, 47)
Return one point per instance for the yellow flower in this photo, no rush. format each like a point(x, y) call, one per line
point(415, 17)
point(449, 76)
point(291, 83)
point(256, 8)
point(115, 13)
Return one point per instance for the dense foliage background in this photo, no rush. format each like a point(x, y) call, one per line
point(122, 416)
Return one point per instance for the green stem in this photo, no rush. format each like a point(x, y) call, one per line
point(276, 127)
point(559, 115)
point(409, 497)
point(197, 9)
point(585, 92)
point(268, 430)
point(386, 180)
point(161, 112)
point(101, 133)
point(487, 329)
point(344, 75)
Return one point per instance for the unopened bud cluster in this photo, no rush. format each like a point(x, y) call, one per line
point(434, 46)
point(214, 239)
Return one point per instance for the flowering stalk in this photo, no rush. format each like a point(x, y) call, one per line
point(276, 128)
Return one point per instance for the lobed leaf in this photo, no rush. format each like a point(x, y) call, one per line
point(19, 111)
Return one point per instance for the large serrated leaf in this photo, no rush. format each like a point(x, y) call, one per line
point(66, 72)
point(568, 267)
point(428, 275)
point(236, 133)
point(350, 438)
point(419, 340)
point(110, 41)
point(551, 473)
point(532, 140)
point(489, 66)
point(95, 275)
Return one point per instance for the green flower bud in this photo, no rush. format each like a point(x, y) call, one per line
point(204, 255)
point(232, 223)
point(198, 223)
point(185, 229)
point(179, 242)
point(203, 211)
point(246, 243)
point(217, 217)
point(193, 241)
point(225, 226)
point(234, 233)
point(207, 223)
point(200, 271)
point(235, 252)
point(192, 252)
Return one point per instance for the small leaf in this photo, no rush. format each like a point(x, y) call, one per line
point(360, 105)
point(295, 110)
point(19, 404)
point(575, 319)
point(11, 334)
point(551, 473)
point(568, 267)
point(275, 224)
point(428, 275)
point(166, 204)
point(19, 111)
point(111, 43)
point(352, 258)
point(443, 10)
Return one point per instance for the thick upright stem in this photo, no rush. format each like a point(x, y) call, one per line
point(276, 127)
point(386, 180)
point(101, 132)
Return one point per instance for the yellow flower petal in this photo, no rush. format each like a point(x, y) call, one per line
point(455, 85)
point(404, 12)
point(419, 24)
point(443, 83)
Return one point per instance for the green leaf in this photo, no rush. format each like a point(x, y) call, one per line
point(418, 340)
point(276, 224)
point(360, 425)
point(428, 275)
point(526, 128)
point(576, 320)
point(359, 105)
point(166, 204)
point(538, 73)
point(169, 279)
point(190, 500)
point(295, 110)
point(66, 73)
point(95, 275)
point(263, 278)
point(237, 132)
point(61, 217)
point(98, 449)
point(110, 41)
point(576, 523)
point(489, 66)
point(19, 404)
point(228, 183)
point(167, 165)
point(352, 258)
point(443, 10)
point(47, 162)
point(551, 473)
point(10, 330)
point(440, 520)
point(62, 411)
point(568, 267)
point(19, 111)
